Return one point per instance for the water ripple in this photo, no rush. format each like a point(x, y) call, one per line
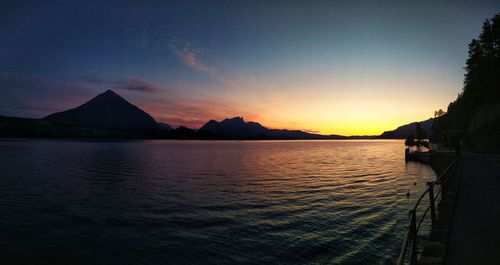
point(195, 202)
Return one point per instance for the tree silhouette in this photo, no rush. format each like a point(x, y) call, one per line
point(420, 135)
point(475, 115)
point(438, 113)
point(410, 140)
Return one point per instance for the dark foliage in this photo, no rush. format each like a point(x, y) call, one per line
point(474, 116)
point(410, 140)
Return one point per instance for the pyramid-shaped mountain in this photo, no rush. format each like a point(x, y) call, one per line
point(107, 111)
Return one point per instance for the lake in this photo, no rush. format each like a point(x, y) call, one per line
point(205, 202)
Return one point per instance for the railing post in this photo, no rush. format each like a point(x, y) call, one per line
point(432, 202)
point(413, 233)
point(410, 242)
point(444, 184)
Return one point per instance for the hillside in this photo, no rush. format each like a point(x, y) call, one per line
point(403, 131)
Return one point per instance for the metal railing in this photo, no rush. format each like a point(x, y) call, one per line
point(409, 249)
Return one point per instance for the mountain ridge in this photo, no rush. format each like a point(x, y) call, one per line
point(110, 115)
point(403, 131)
point(236, 127)
point(107, 110)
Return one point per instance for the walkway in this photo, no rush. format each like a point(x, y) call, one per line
point(474, 235)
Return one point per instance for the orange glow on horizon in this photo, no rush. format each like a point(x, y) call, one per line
point(343, 104)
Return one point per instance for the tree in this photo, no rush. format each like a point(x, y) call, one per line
point(473, 116)
point(420, 136)
point(410, 140)
point(438, 113)
point(419, 133)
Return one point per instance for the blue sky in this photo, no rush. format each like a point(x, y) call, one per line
point(345, 67)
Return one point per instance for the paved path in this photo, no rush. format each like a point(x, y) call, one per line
point(474, 236)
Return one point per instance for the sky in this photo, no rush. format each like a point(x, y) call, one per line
point(329, 67)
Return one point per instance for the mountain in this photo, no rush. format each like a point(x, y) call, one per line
point(237, 128)
point(403, 131)
point(298, 134)
point(182, 132)
point(108, 115)
point(107, 111)
point(165, 126)
point(234, 128)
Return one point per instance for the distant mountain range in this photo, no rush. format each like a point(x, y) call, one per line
point(403, 131)
point(165, 126)
point(109, 115)
point(237, 128)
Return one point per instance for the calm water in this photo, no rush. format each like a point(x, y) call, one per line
point(205, 202)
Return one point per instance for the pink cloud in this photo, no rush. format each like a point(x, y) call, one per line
point(190, 57)
point(194, 113)
point(35, 96)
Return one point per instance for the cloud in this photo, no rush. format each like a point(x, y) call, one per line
point(128, 83)
point(191, 57)
point(37, 96)
point(194, 113)
point(242, 85)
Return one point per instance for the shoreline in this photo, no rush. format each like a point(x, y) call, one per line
point(98, 139)
point(434, 250)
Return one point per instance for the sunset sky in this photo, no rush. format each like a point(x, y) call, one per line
point(332, 67)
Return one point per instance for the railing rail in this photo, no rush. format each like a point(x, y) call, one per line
point(409, 248)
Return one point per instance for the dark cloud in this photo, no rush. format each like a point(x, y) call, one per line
point(127, 83)
point(36, 96)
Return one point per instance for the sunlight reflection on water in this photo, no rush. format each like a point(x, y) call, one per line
point(206, 202)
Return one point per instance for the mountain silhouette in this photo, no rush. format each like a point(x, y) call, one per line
point(298, 134)
point(108, 115)
point(403, 131)
point(237, 128)
point(165, 126)
point(234, 127)
point(107, 111)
